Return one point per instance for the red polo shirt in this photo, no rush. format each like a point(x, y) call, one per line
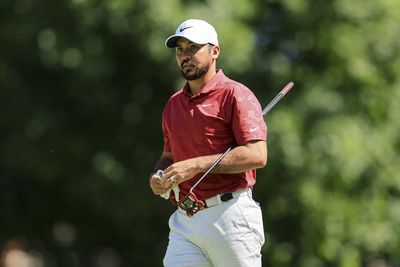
point(222, 114)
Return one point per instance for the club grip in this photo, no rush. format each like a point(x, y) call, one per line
point(287, 88)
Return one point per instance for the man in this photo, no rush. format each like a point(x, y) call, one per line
point(202, 120)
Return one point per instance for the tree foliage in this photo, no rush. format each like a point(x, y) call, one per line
point(82, 87)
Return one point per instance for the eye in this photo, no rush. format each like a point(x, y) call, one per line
point(194, 48)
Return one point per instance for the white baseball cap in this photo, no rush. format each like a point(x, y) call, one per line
point(196, 30)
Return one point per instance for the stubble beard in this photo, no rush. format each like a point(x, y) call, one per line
point(198, 73)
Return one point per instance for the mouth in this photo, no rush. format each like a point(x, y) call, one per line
point(187, 69)
point(187, 65)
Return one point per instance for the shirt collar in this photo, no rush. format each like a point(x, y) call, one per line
point(208, 87)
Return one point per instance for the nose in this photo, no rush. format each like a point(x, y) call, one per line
point(186, 53)
point(184, 57)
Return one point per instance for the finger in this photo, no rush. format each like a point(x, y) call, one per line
point(159, 189)
point(167, 179)
point(167, 176)
point(168, 182)
point(175, 182)
point(168, 169)
point(155, 179)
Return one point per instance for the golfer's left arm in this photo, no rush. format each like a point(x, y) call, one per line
point(244, 157)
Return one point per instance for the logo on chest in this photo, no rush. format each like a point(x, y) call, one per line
point(208, 109)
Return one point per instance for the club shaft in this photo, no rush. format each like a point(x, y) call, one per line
point(278, 97)
point(211, 167)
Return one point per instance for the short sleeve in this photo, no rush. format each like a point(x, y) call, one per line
point(247, 120)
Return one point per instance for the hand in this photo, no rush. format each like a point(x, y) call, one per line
point(156, 185)
point(179, 172)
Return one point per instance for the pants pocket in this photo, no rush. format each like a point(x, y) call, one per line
point(252, 214)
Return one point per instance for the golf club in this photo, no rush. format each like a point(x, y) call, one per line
point(190, 203)
point(270, 105)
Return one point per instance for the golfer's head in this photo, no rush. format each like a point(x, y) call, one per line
point(196, 31)
point(196, 45)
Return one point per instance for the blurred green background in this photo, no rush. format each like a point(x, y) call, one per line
point(82, 87)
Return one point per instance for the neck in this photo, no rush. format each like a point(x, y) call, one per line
point(196, 85)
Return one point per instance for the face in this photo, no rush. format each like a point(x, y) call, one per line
point(195, 60)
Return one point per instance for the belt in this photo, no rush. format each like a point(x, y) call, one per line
point(220, 198)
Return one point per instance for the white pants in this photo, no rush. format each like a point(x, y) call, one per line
point(230, 234)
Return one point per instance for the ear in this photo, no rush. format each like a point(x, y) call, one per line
point(215, 51)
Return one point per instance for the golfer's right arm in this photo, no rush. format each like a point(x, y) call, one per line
point(157, 185)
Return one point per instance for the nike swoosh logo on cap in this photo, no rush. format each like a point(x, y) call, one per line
point(182, 29)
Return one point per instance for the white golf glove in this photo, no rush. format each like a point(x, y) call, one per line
point(176, 189)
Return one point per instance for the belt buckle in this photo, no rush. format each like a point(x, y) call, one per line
point(191, 204)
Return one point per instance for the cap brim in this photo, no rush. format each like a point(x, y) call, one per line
point(171, 41)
